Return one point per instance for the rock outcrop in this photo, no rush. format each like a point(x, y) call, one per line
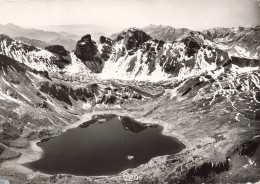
point(135, 54)
point(133, 39)
point(244, 62)
point(239, 41)
point(62, 55)
point(54, 58)
point(86, 50)
point(106, 47)
point(63, 93)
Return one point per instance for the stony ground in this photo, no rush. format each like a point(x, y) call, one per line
point(220, 132)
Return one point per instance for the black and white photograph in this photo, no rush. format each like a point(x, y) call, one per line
point(129, 91)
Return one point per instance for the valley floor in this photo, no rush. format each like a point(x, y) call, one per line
point(222, 144)
point(206, 94)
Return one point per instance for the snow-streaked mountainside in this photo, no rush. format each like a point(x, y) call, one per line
point(203, 89)
point(136, 55)
point(238, 41)
point(41, 59)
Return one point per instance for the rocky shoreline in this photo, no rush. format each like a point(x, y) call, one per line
point(207, 100)
point(209, 155)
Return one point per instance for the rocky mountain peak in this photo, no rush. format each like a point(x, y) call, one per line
point(87, 51)
point(239, 41)
point(86, 37)
point(134, 33)
point(53, 58)
point(62, 55)
point(193, 42)
point(106, 47)
point(86, 48)
point(194, 81)
point(133, 38)
point(104, 39)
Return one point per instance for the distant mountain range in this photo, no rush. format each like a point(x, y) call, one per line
point(239, 41)
point(15, 31)
point(166, 33)
point(35, 42)
point(134, 54)
point(65, 35)
point(82, 29)
point(39, 37)
point(202, 86)
point(160, 32)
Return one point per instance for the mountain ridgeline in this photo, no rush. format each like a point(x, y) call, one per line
point(134, 54)
point(202, 87)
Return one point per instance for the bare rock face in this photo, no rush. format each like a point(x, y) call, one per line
point(57, 49)
point(246, 38)
point(194, 51)
point(62, 55)
point(63, 93)
point(104, 39)
point(87, 51)
point(192, 46)
point(106, 49)
point(245, 62)
point(86, 48)
point(146, 56)
point(133, 39)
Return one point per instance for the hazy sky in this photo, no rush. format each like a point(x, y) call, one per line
point(194, 14)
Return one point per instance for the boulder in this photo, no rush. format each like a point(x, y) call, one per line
point(130, 157)
point(136, 95)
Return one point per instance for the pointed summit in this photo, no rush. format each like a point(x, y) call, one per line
point(87, 51)
point(133, 39)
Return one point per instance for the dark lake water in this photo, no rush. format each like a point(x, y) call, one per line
point(105, 145)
